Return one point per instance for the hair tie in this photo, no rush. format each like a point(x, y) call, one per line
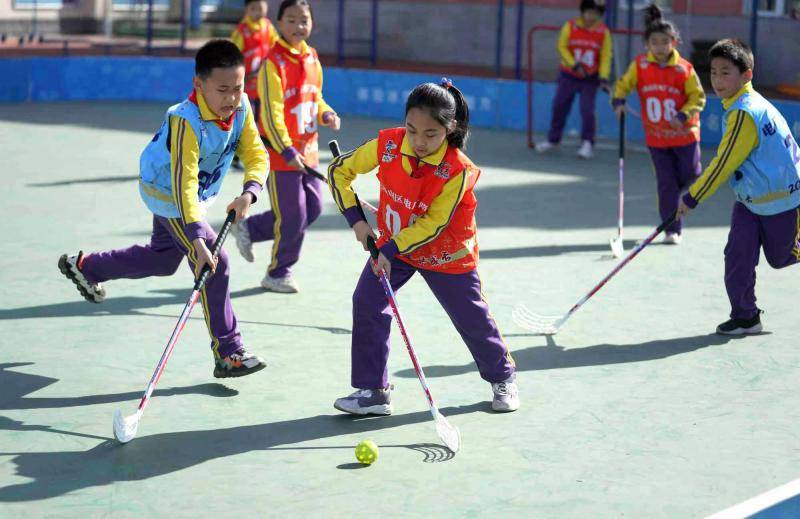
point(446, 83)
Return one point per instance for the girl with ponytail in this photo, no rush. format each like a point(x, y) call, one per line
point(671, 99)
point(426, 223)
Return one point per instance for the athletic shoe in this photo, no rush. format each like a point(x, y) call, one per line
point(672, 238)
point(586, 151)
point(243, 242)
point(70, 266)
point(741, 326)
point(238, 364)
point(544, 147)
point(284, 285)
point(506, 395)
point(366, 401)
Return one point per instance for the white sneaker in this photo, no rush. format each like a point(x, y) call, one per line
point(506, 395)
point(672, 238)
point(284, 285)
point(544, 147)
point(70, 267)
point(586, 151)
point(243, 242)
point(366, 401)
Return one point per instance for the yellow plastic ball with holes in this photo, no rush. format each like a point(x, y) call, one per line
point(367, 452)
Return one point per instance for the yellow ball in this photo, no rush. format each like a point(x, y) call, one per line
point(367, 452)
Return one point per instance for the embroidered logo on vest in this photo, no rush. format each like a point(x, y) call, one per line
point(388, 151)
point(443, 171)
point(769, 129)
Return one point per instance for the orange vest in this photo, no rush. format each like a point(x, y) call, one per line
point(662, 93)
point(256, 49)
point(585, 45)
point(405, 198)
point(302, 86)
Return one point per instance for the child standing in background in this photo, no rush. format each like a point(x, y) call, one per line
point(426, 220)
point(584, 46)
point(760, 156)
point(254, 36)
point(672, 98)
point(290, 87)
point(208, 127)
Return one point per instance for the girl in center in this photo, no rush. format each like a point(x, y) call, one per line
point(671, 99)
point(290, 89)
point(426, 221)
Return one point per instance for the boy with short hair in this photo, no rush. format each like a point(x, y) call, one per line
point(181, 173)
point(761, 158)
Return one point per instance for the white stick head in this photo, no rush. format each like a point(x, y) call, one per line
point(617, 248)
point(541, 324)
point(125, 427)
point(450, 435)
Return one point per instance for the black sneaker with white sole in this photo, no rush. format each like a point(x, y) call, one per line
point(741, 326)
point(238, 364)
point(70, 266)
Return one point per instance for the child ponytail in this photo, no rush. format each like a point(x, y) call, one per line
point(654, 22)
point(446, 104)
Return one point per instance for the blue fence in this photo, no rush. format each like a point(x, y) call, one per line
point(494, 103)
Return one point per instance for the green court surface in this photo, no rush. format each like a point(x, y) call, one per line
point(634, 409)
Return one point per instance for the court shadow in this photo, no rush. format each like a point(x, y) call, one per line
point(95, 180)
point(550, 250)
point(16, 386)
point(54, 474)
point(552, 356)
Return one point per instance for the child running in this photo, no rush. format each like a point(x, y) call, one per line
point(761, 158)
point(203, 131)
point(426, 220)
point(672, 98)
point(584, 46)
point(290, 85)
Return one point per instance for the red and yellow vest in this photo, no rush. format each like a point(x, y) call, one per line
point(256, 49)
point(404, 198)
point(585, 45)
point(662, 92)
point(302, 86)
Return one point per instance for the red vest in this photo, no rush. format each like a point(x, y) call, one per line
point(256, 49)
point(662, 93)
point(585, 45)
point(302, 86)
point(404, 199)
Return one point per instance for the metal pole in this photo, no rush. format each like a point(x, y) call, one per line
point(340, 35)
point(373, 49)
point(518, 50)
point(149, 33)
point(629, 42)
point(754, 26)
point(184, 23)
point(498, 58)
point(35, 19)
point(107, 21)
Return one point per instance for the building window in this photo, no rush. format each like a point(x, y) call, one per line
point(665, 5)
point(773, 7)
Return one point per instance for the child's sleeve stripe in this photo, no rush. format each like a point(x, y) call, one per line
point(428, 227)
point(567, 59)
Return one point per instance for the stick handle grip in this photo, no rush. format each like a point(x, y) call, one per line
point(314, 173)
point(622, 135)
point(334, 147)
point(223, 233)
point(373, 249)
point(336, 151)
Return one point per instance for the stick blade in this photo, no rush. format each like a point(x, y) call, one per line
point(450, 435)
point(540, 324)
point(125, 427)
point(617, 247)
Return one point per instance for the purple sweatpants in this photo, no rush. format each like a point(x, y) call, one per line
point(461, 297)
point(162, 257)
point(567, 87)
point(296, 200)
point(676, 169)
point(778, 234)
